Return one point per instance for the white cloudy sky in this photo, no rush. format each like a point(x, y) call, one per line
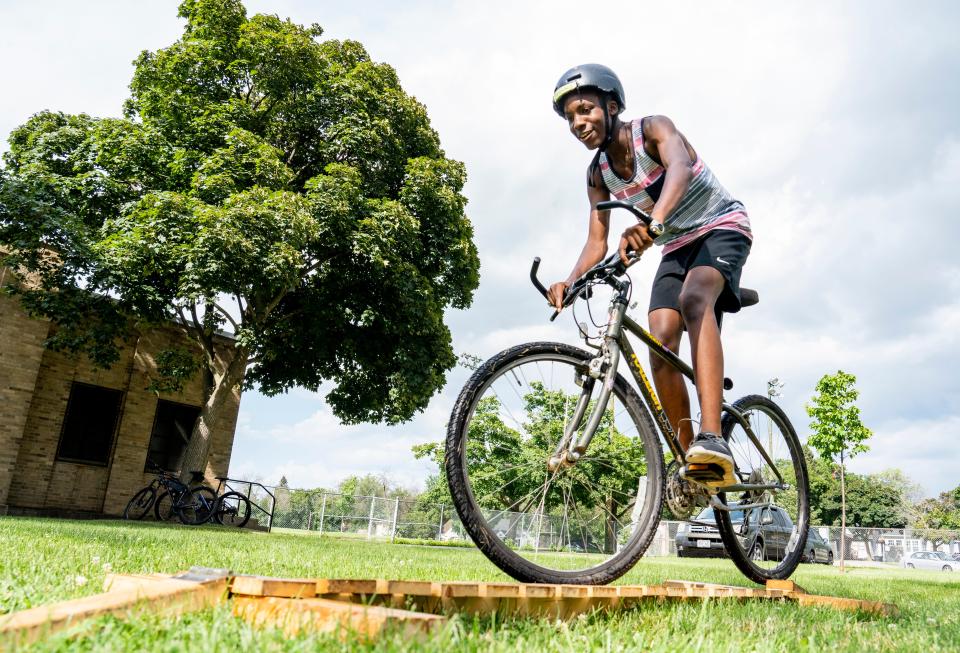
point(835, 123)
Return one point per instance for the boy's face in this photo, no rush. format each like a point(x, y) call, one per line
point(584, 115)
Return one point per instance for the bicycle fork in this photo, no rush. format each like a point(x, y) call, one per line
point(601, 368)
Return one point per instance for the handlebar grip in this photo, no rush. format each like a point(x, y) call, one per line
point(533, 277)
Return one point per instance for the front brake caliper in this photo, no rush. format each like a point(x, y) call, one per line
point(597, 366)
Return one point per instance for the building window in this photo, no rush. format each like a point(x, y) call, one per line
point(90, 424)
point(172, 427)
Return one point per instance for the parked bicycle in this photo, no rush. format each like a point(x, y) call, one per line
point(556, 470)
point(192, 503)
point(232, 508)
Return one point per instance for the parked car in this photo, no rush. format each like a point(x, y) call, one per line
point(956, 556)
point(700, 538)
point(817, 550)
point(929, 560)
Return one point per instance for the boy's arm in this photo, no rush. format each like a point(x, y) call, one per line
point(671, 148)
point(593, 250)
point(671, 151)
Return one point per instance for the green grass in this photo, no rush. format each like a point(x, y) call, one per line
point(51, 560)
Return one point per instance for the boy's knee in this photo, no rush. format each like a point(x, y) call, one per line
point(668, 336)
point(695, 302)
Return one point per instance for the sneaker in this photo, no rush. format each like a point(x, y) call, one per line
point(709, 461)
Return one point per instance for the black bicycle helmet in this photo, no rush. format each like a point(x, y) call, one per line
point(595, 77)
point(588, 76)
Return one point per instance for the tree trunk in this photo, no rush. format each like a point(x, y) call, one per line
point(225, 387)
point(610, 532)
point(843, 515)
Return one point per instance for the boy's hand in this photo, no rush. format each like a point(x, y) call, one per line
point(555, 294)
point(636, 239)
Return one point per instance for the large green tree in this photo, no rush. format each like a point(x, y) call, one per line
point(837, 430)
point(938, 519)
point(261, 181)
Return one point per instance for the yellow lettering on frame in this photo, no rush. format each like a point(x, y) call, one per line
point(646, 382)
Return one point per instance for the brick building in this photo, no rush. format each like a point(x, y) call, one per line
point(75, 439)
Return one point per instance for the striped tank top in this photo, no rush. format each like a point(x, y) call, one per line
point(704, 207)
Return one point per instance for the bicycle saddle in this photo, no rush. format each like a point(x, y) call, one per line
point(748, 297)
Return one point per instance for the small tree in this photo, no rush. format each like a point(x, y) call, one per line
point(837, 430)
point(261, 181)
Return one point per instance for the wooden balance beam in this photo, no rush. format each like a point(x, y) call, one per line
point(365, 608)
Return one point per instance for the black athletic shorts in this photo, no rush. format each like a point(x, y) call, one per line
point(722, 249)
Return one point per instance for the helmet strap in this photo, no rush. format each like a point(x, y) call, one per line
point(608, 121)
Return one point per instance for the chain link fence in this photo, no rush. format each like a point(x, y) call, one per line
point(366, 517)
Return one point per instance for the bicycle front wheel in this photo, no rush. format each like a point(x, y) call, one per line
point(233, 509)
point(765, 542)
point(163, 507)
point(587, 522)
point(139, 505)
point(197, 507)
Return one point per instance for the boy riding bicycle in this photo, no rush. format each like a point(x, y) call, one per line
point(706, 240)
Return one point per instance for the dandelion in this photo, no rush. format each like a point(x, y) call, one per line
point(96, 560)
point(79, 580)
point(107, 567)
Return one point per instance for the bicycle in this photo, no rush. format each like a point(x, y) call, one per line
point(555, 466)
point(192, 505)
point(231, 508)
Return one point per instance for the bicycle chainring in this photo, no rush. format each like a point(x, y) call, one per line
point(683, 498)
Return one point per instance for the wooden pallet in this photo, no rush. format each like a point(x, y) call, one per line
point(366, 607)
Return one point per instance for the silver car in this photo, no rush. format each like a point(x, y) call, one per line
point(929, 560)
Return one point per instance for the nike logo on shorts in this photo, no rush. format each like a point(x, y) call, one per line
point(720, 260)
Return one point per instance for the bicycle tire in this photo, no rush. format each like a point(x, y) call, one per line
point(163, 507)
point(643, 524)
point(198, 506)
point(233, 509)
point(138, 507)
point(798, 507)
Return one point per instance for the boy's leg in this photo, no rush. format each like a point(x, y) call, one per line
point(698, 298)
point(699, 295)
point(666, 325)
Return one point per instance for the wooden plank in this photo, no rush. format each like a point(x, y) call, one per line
point(840, 603)
point(324, 615)
point(785, 586)
point(128, 593)
point(346, 586)
point(698, 585)
point(292, 588)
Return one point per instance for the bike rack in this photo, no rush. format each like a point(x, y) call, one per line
point(364, 608)
point(225, 483)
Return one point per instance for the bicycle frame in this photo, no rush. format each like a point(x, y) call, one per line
point(615, 344)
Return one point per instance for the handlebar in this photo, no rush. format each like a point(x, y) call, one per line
point(655, 228)
point(610, 266)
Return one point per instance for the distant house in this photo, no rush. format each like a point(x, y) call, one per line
point(77, 440)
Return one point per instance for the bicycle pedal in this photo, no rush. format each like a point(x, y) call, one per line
point(702, 472)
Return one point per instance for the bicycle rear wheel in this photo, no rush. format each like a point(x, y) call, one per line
point(233, 509)
point(587, 522)
point(197, 507)
point(139, 505)
point(765, 542)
